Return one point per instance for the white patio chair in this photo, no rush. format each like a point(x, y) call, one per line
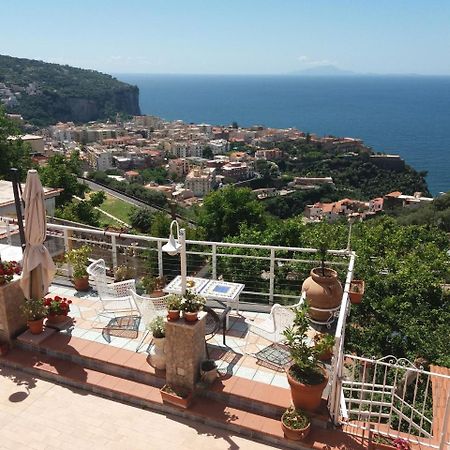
point(149, 308)
point(280, 318)
point(115, 298)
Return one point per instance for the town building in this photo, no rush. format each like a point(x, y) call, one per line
point(201, 181)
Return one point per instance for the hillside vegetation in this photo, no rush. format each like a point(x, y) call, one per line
point(45, 93)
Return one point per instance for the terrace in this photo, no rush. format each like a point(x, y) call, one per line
point(362, 395)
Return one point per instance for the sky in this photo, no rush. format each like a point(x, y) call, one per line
point(231, 36)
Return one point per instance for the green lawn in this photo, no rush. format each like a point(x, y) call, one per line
point(118, 208)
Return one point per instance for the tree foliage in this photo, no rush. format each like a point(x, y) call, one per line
point(83, 211)
point(226, 210)
point(141, 219)
point(13, 153)
point(61, 172)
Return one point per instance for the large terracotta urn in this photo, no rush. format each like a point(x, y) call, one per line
point(324, 292)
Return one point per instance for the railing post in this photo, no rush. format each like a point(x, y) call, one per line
point(8, 232)
point(272, 275)
point(214, 261)
point(67, 248)
point(160, 260)
point(114, 252)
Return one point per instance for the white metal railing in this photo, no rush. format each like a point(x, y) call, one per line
point(394, 398)
point(206, 256)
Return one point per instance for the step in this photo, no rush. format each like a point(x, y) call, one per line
point(261, 398)
point(239, 392)
point(97, 356)
point(205, 410)
point(252, 396)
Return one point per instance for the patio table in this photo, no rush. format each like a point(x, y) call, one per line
point(222, 291)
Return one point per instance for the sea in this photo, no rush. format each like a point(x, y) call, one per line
point(406, 115)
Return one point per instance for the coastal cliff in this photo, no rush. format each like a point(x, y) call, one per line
point(45, 93)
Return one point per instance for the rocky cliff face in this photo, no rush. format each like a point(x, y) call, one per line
point(124, 101)
point(48, 93)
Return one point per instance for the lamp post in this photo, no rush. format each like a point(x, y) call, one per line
point(175, 246)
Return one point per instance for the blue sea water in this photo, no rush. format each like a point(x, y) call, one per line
point(408, 115)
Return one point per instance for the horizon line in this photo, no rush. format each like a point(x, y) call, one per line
point(299, 75)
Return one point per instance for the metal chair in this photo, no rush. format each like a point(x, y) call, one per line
point(280, 318)
point(149, 308)
point(115, 298)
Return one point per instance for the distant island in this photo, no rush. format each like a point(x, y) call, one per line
point(45, 93)
point(326, 70)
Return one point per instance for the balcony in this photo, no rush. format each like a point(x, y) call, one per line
point(251, 389)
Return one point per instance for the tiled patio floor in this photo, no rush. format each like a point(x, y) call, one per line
point(231, 359)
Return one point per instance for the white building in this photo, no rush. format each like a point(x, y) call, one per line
point(201, 181)
point(219, 146)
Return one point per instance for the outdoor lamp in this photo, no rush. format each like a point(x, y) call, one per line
point(173, 247)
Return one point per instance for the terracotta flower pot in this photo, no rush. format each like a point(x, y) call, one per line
point(56, 318)
point(190, 316)
point(324, 292)
point(356, 291)
point(173, 314)
point(81, 284)
point(36, 326)
point(295, 434)
point(174, 398)
point(306, 396)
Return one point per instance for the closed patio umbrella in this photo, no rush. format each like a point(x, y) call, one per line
point(38, 267)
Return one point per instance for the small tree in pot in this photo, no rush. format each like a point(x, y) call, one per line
point(78, 258)
point(306, 377)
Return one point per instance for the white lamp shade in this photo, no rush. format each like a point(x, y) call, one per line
point(172, 247)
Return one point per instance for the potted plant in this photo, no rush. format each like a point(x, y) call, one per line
point(57, 308)
point(157, 356)
point(34, 311)
point(380, 442)
point(177, 396)
point(78, 258)
point(296, 424)
point(306, 377)
point(324, 344)
point(7, 271)
point(323, 288)
point(191, 304)
point(153, 285)
point(356, 291)
point(173, 306)
point(208, 371)
point(123, 273)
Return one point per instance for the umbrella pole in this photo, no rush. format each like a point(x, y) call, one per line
point(17, 201)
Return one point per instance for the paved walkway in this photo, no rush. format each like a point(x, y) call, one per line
point(35, 414)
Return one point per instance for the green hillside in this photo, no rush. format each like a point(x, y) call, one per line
point(45, 93)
